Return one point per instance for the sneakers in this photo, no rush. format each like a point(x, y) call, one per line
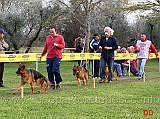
point(58, 86)
point(139, 78)
point(109, 81)
point(1, 85)
point(52, 87)
point(102, 80)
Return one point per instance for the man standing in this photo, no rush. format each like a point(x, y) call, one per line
point(108, 43)
point(53, 47)
point(143, 47)
point(3, 46)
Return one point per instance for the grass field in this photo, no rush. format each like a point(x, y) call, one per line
point(126, 98)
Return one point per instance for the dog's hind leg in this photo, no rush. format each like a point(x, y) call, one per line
point(32, 87)
point(86, 77)
point(84, 81)
point(18, 88)
point(40, 83)
point(48, 83)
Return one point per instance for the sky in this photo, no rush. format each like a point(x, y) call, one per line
point(132, 17)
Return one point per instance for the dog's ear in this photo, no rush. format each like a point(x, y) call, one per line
point(23, 66)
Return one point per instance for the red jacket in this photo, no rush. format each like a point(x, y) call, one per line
point(51, 50)
point(132, 62)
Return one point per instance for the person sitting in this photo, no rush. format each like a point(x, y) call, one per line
point(133, 63)
point(121, 70)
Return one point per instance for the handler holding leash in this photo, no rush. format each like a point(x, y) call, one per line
point(3, 46)
point(53, 47)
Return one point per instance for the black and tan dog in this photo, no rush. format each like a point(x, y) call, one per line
point(81, 74)
point(30, 76)
point(114, 73)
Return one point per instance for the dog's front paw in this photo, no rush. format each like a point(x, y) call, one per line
point(32, 92)
point(13, 93)
point(39, 91)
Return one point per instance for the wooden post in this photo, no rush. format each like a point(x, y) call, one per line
point(144, 77)
point(22, 92)
point(94, 84)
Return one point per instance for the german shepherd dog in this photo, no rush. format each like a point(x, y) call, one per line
point(107, 73)
point(30, 76)
point(81, 74)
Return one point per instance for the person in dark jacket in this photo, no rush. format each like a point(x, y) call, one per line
point(3, 46)
point(79, 48)
point(108, 44)
point(94, 48)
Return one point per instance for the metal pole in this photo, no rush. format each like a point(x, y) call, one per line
point(36, 65)
point(93, 78)
point(129, 67)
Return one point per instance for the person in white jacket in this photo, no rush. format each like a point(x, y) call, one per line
point(143, 47)
point(3, 46)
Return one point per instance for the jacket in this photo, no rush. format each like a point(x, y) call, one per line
point(110, 42)
point(3, 46)
point(51, 50)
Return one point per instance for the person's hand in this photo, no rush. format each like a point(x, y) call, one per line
point(157, 57)
point(40, 58)
point(100, 49)
point(55, 44)
point(106, 47)
point(138, 49)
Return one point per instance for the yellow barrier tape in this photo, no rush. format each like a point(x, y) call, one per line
point(65, 56)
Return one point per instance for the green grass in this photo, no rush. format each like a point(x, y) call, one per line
point(126, 98)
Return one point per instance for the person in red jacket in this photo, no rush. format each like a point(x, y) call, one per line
point(133, 63)
point(53, 48)
point(143, 47)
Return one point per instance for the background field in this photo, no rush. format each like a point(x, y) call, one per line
point(126, 98)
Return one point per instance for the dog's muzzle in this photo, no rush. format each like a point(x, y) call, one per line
point(74, 72)
point(18, 73)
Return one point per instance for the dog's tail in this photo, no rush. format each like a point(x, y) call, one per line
point(48, 82)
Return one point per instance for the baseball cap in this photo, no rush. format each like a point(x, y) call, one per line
point(2, 31)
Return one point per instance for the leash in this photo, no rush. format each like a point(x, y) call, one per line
point(50, 49)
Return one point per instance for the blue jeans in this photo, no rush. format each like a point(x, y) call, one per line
point(53, 65)
point(103, 62)
point(117, 66)
point(121, 70)
point(124, 70)
point(141, 64)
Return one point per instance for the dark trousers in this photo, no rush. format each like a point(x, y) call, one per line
point(133, 71)
point(1, 72)
point(95, 68)
point(53, 65)
point(103, 62)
